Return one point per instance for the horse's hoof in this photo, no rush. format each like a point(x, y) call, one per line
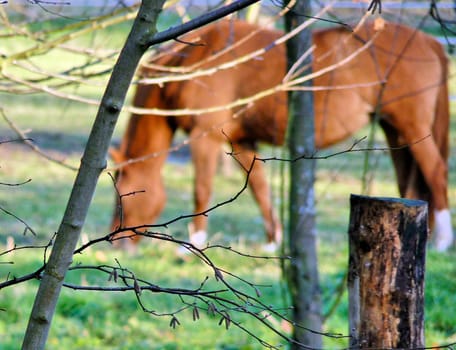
point(199, 238)
point(443, 230)
point(443, 244)
point(182, 251)
point(271, 247)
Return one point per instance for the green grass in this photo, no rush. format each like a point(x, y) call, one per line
point(92, 320)
point(96, 321)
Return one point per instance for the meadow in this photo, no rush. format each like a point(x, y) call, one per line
point(104, 320)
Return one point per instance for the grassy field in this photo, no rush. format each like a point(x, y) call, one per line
point(94, 320)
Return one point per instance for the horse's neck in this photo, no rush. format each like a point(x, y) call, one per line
point(148, 137)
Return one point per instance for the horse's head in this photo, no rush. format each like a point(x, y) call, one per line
point(139, 199)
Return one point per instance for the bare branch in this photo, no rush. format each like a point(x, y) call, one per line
point(34, 147)
point(28, 228)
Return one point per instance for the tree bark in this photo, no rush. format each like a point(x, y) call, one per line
point(302, 276)
point(92, 164)
point(386, 272)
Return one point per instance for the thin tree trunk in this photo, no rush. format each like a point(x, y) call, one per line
point(92, 164)
point(93, 161)
point(303, 272)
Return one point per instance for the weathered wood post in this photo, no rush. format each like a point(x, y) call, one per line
point(386, 272)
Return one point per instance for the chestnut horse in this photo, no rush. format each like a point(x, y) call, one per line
point(413, 106)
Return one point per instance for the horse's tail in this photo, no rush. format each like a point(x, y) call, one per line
point(442, 108)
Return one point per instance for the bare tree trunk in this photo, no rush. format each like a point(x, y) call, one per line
point(92, 164)
point(93, 161)
point(386, 272)
point(303, 272)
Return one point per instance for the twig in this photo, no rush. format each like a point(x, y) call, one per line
point(27, 226)
point(34, 147)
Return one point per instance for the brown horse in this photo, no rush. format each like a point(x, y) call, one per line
point(410, 66)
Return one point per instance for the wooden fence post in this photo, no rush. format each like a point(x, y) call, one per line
point(386, 272)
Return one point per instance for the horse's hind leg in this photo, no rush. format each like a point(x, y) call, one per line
point(434, 171)
point(410, 181)
point(205, 153)
point(401, 158)
point(261, 191)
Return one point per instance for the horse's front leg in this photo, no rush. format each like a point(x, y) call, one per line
point(205, 154)
point(261, 191)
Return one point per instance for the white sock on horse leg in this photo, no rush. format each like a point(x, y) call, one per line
point(198, 238)
point(270, 247)
point(443, 230)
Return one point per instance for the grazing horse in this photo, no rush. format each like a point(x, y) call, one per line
point(401, 75)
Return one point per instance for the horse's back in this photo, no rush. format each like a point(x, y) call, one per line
point(395, 56)
point(221, 43)
point(400, 71)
